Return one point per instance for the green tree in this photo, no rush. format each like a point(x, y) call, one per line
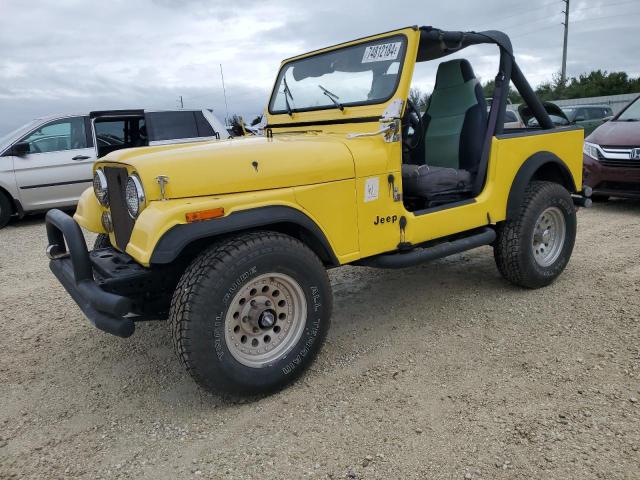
point(593, 84)
point(489, 88)
point(419, 98)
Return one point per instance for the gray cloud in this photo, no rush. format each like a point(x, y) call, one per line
point(74, 55)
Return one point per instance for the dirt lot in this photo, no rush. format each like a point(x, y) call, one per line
point(439, 371)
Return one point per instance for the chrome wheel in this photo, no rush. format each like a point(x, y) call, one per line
point(265, 319)
point(548, 236)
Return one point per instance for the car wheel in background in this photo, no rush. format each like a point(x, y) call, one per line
point(6, 209)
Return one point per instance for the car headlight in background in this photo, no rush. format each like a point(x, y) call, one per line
point(590, 150)
point(134, 196)
point(100, 187)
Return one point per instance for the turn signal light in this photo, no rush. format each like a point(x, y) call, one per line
point(204, 215)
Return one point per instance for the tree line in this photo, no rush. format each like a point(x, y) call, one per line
point(596, 83)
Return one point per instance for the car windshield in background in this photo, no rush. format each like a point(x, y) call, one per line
point(557, 121)
point(18, 132)
point(362, 74)
point(631, 114)
point(570, 113)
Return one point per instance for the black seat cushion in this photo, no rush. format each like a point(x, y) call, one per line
point(432, 182)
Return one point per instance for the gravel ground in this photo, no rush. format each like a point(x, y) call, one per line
point(438, 371)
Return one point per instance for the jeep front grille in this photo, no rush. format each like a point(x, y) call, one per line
point(122, 221)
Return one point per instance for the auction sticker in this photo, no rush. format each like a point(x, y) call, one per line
point(371, 189)
point(381, 53)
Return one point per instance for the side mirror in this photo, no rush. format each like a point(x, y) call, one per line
point(20, 149)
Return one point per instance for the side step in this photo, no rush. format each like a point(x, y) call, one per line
point(418, 255)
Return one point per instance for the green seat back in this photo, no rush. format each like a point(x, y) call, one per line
point(451, 100)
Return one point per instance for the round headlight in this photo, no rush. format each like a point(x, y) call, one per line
point(134, 196)
point(100, 187)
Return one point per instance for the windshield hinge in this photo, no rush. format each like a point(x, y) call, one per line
point(389, 124)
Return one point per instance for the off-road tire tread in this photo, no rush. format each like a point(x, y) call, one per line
point(509, 244)
point(213, 261)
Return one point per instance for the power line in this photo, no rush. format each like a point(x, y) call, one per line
point(605, 5)
point(523, 12)
point(546, 18)
point(535, 31)
point(531, 32)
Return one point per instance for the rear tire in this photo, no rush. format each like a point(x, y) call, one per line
point(533, 248)
point(6, 210)
point(102, 241)
point(250, 313)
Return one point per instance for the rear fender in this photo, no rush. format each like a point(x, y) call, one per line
point(544, 166)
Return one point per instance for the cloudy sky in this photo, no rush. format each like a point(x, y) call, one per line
point(80, 55)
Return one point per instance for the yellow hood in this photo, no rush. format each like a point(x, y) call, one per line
point(238, 165)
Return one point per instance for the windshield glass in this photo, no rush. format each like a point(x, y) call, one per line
point(570, 113)
point(361, 74)
point(18, 132)
point(631, 114)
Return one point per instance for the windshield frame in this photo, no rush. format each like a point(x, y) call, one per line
point(283, 68)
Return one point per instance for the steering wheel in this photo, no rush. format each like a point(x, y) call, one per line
point(412, 119)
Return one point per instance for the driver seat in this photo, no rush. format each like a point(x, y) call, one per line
point(448, 156)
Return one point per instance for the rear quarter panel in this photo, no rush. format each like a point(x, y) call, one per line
point(513, 150)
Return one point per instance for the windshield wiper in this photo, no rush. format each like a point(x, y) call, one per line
point(287, 93)
point(332, 96)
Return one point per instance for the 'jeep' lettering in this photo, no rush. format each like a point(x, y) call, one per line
point(388, 219)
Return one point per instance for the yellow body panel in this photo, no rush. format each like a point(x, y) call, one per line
point(350, 187)
point(89, 212)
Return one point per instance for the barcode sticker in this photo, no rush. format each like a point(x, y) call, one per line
point(381, 53)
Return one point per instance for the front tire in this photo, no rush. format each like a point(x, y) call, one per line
point(534, 248)
point(250, 313)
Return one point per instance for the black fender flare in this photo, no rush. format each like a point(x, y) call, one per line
point(174, 241)
point(553, 168)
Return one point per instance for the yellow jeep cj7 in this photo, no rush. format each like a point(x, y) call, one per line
point(230, 240)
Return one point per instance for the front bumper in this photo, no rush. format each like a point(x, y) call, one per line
point(613, 181)
point(71, 264)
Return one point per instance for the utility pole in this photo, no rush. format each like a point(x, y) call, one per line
point(181, 102)
point(563, 76)
point(224, 91)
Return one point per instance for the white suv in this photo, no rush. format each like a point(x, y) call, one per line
point(47, 163)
